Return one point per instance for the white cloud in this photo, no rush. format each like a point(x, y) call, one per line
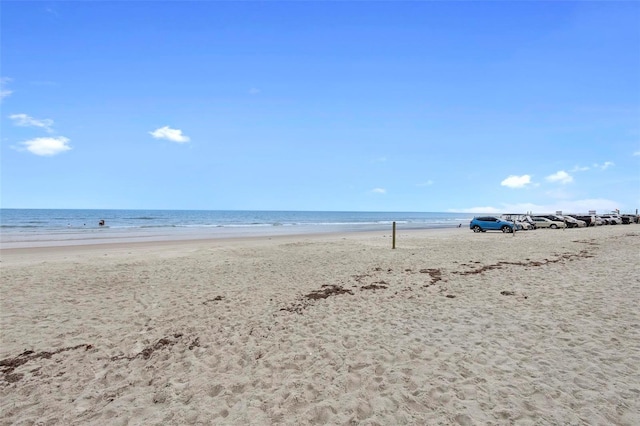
point(636, 154)
point(47, 146)
point(516, 181)
point(379, 191)
point(254, 91)
point(491, 210)
point(173, 135)
point(604, 166)
point(601, 205)
point(579, 169)
point(4, 92)
point(561, 177)
point(24, 120)
point(505, 208)
point(427, 183)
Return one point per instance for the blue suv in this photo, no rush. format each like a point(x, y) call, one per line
point(491, 223)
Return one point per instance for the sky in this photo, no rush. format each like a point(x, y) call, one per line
point(416, 106)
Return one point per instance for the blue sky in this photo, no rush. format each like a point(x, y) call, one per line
point(371, 106)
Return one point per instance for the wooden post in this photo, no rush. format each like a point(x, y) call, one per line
point(393, 237)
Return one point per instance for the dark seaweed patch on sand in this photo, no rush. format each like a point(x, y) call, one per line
point(8, 365)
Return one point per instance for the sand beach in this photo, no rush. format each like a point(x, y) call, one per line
point(451, 328)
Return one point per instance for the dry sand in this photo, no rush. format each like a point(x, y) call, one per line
point(452, 327)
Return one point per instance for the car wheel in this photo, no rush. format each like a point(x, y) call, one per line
point(506, 229)
point(476, 228)
point(553, 226)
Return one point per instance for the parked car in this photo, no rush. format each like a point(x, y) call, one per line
point(604, 221)
point(612, 219)
point(530, 221)
point(575, 222)
point(555, 218)
point(543, 222)
point(524, 225)
point(588, 220)
point(491, 223)
point(570, 221)
point(521, 224)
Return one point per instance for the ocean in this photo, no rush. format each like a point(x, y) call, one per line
point(52, 226)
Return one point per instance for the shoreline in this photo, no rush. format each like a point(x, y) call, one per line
point(63, 239)
point(38, 253)
point(23, 251)
point(69, 226)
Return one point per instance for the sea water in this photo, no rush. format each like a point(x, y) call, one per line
point(77, 225)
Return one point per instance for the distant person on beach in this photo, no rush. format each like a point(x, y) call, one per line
point(101, 223)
